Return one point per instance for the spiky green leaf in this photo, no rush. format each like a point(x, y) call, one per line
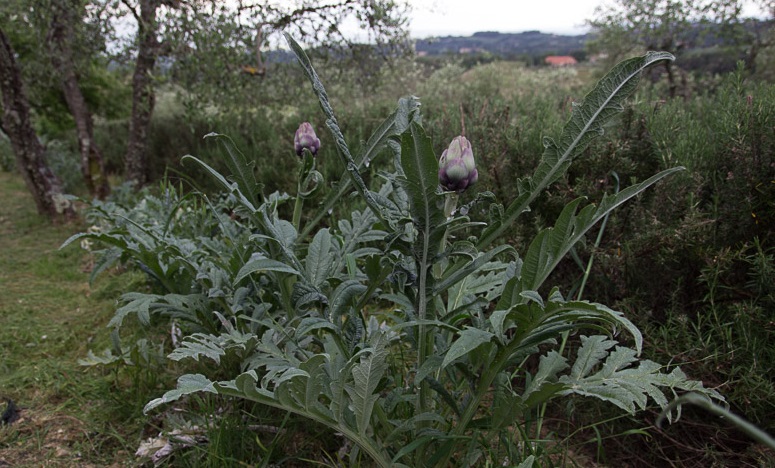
point(187, 384)
point(586, 123)
point(366, 376)
point(470, 338)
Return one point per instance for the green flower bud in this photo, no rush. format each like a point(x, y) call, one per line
point(305, 138)
point(457, 169)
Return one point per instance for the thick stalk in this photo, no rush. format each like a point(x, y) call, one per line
point(306, 168)
point(425, 342)
point(367, 445)
point(297, 207)
point(579, 295)
point(488, 377)
point(450, 204)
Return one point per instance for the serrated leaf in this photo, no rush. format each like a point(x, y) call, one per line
point(105, 359)
point(317, 386)
point(320, 258)
point(283, 235)
point(199, 345)
point(586, 122)
point(305, 294)
point(310, 324)
point(549, 368)
point(187, 384)
point(366, 376)
point(343, 296)
point(137, 303)
point(263, 264)
point(593, 349)
point(618, 382)
point(469, 268)
point(470, 338)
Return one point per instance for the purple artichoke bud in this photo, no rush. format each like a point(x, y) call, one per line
point(457, 169)
point(305, 138)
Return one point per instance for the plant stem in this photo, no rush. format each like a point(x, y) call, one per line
point(579, 295)
point(425, 341)
point(297, 210)
point(450, 204)
point(307, 166)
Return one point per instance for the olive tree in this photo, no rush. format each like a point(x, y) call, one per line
point(218, 35)
point(45, 186)
point(633, 26)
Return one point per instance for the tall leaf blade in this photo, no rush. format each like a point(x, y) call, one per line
point(470, 339)
point(586, 123)
point(366, 376)
point(344, 151)
point(230, 187)
point(421, 179)
point(241, 169)
point(421, 182)
point(552, 244)
point(320, 258)
point(394, 125)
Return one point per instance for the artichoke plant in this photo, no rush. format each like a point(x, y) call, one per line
point(305, 138)
point(457, 169)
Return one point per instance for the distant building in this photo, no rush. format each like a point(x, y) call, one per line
point(560, 61)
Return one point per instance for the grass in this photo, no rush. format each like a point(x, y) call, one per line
point(49, 317)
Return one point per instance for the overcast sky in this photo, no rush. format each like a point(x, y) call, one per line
point(464, 17)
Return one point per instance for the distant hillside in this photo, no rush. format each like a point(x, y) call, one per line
point(530, 43)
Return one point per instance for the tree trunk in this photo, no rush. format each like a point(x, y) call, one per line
point(45, 186)
point(60, 39)
point(143, 96)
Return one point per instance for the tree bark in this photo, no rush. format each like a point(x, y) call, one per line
point(143, 95)
point(60, 39)
point(45, 186)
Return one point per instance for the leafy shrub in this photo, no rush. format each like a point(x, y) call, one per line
point(403, 325)
point(699, 221)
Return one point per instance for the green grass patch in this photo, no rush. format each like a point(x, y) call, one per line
point(49, 317)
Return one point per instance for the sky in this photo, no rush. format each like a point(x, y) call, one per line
point(464, 17)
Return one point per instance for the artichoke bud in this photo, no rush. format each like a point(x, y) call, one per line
point(457, 169)
point(305, 138)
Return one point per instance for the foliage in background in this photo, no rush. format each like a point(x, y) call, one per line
point(708, 230)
